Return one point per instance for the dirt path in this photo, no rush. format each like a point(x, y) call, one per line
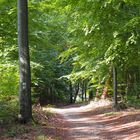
point(97, 121)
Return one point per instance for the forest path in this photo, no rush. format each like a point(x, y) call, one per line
point(82, 127)
point(97, 121)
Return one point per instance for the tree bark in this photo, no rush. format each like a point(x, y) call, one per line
point(76, 92)
point(71, 93)
point(107, 84)
point(24, 60)
point(82, 86)
point(85, 90)
point(115, 86)
point(91, 93)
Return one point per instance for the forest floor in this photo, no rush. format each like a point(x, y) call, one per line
point(98, 121)
point(94, 121)
point(47, 126)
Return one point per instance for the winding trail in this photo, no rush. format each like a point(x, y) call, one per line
point(82, 127)
point(97, 121)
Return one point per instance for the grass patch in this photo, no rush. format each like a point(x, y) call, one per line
point(16, 130)
point(8, 109)
point(110, 114)
point(41, 137)
point(133, 101)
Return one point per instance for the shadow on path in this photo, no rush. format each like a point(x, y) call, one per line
point(97, 121)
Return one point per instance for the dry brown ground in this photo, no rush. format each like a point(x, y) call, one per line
point(78, 123)
point(101, 123)
point(49, 127)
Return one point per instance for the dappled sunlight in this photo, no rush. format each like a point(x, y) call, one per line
point(84, 108)
point(56, 57)
point(98, 121)
point(122, 127)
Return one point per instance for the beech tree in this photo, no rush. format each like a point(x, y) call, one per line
point(24, 59)
point(115, 86)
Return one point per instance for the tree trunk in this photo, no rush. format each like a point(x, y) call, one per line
point(71, 93)
point(85, 90)
point(105, 89)
point(76, 92)
point(90, 95)
point(82, 86)
point(24, 60)
point(115, 86)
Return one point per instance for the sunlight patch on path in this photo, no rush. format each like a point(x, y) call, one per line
point(81, 127)
point(92, 105)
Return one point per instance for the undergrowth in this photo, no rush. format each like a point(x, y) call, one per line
point(8, 109)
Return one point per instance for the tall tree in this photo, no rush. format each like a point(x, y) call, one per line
point(24, 59)
point(115, 86)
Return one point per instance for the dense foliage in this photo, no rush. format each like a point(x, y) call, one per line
point(104, 34)
point(73, 47)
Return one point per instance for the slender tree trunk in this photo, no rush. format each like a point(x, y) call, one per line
point(107, 84)
point(76, 92)
point(71, 93)
point(90, 95)
point(53, 94)
point(82, 92)
point(85, 90)
point(24, 60)
point(115, 86)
